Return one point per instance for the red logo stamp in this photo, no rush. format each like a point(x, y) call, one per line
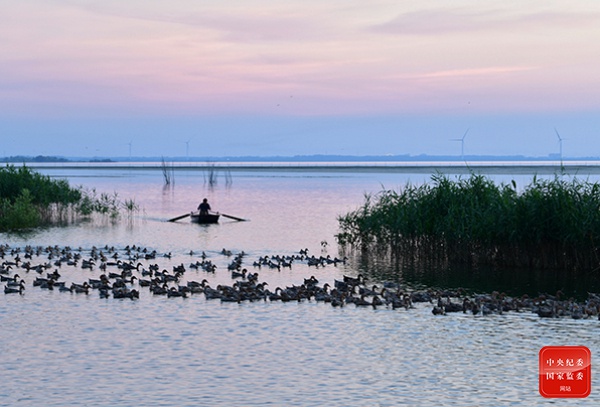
point(565, 371)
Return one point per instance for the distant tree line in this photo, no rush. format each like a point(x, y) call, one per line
point(36, 159)
point(50, 159)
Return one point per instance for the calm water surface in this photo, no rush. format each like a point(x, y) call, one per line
point(71, 349)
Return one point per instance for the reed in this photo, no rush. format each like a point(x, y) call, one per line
point(103, 203)
point(550, 224)
point(228, 178)
point(210, 175)
point(130, 207)
point(168, 172)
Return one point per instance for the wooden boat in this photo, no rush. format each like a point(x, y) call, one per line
point(205, 219)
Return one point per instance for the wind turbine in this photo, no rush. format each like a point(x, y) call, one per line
point(462, 144)
point(129, 144)
point(187, 150)
point(560, 140)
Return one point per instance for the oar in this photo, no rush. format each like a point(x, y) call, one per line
point(179, 217)
point(233, 217)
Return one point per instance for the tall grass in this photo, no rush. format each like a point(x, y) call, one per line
point(471, 221)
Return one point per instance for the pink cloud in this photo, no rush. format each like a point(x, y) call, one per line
point(496, 70)
point(437, 22)
point(249, 24)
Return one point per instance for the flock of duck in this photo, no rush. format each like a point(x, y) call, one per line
point(125, 272)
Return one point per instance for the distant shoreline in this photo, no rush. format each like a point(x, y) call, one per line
point(513, 167)
point(405, 159)
point(331, 163)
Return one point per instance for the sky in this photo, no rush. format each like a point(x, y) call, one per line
point(93, 78)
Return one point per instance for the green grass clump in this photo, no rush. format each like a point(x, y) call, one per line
point(18, 213)
point(43, 190)
point(552, 223)
point(29, 199)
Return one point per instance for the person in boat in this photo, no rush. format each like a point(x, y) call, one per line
point(204, 207)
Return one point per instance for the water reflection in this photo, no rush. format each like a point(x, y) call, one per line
point(384, 266)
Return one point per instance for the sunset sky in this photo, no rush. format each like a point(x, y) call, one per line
point(257, 77)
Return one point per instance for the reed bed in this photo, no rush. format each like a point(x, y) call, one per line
point(551, 224)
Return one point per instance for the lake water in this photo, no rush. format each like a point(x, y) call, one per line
point(75, 349)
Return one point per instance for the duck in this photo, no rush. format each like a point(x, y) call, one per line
point(193, 283)
point(338, 260)
point(126, 293)
point(314, 261)
point(159, 289)
point(13, 278)
point(14, 290)
point(115, 275)
point(180, 269)
point(176, 292)
point(15, 283)
point(232, 297)
point(80, 288)
point(399, 301)
point(360, 279)
point(340, 285)
point(545, 310)
point(212, 293)
point(129, 266)
point(273, 296)
point(5, 270)
point(450, 306)
point(337, 301)
point(376, 301)
point(124, 280)
point(98, 283)
point(437, 310)
point(322, 293)
point(145, 282)
point(39, 281)
point(367, 291)
point(237, 274)
point(63, 288)
point(362, 302)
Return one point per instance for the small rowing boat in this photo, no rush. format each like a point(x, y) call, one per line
point(205, 218)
